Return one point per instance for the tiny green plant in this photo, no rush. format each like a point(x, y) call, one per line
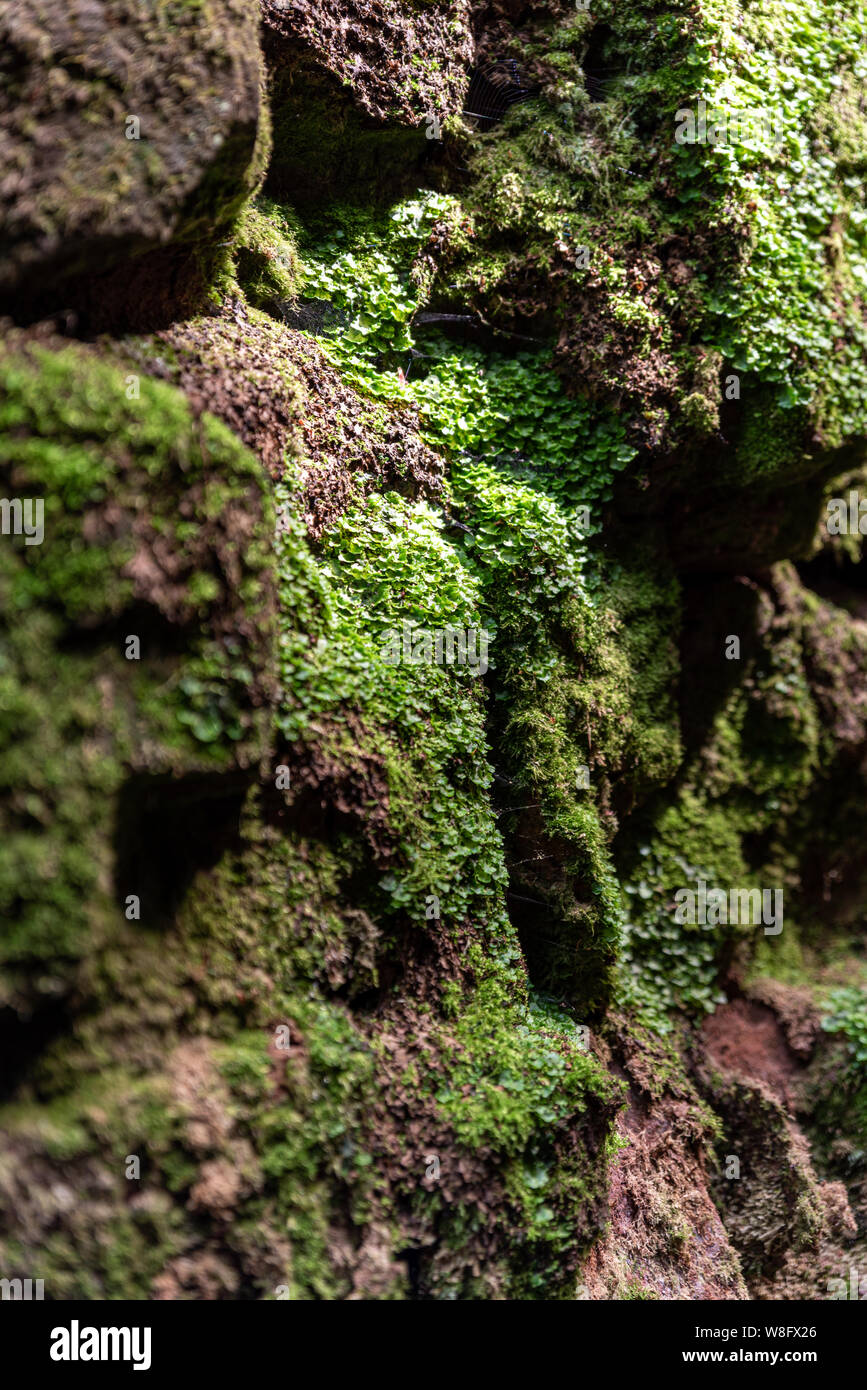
point(848, 1017)
point(465, 397)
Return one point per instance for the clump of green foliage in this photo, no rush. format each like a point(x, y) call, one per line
point(666, 967)
point(385, 563)
point(563, 446)
point(797, 297)
point(847, 1016)
point(363, 269)
point(465, 397)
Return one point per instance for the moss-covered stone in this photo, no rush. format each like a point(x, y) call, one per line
point(128, 127)
point(407, 922)
point(135, 637)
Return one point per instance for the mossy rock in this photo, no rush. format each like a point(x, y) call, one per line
point(131, 128)
point(773, 1204)
point(135, 647)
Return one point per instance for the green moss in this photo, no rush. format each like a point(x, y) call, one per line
point(799, 293)
point(375, 273)
point(321, 142)
point(770, 444)
point(117, 476)
point(265, 255)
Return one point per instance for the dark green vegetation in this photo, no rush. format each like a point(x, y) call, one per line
point(406, 940)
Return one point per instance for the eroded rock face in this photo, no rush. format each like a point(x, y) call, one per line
point(794, 1226)
point(360, 93)
point(78, 194)
point(666, 1238)
point(401, 60)
point(278, 392)
point(765, 1186)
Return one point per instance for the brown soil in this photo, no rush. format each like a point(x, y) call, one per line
point(745, 1038)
